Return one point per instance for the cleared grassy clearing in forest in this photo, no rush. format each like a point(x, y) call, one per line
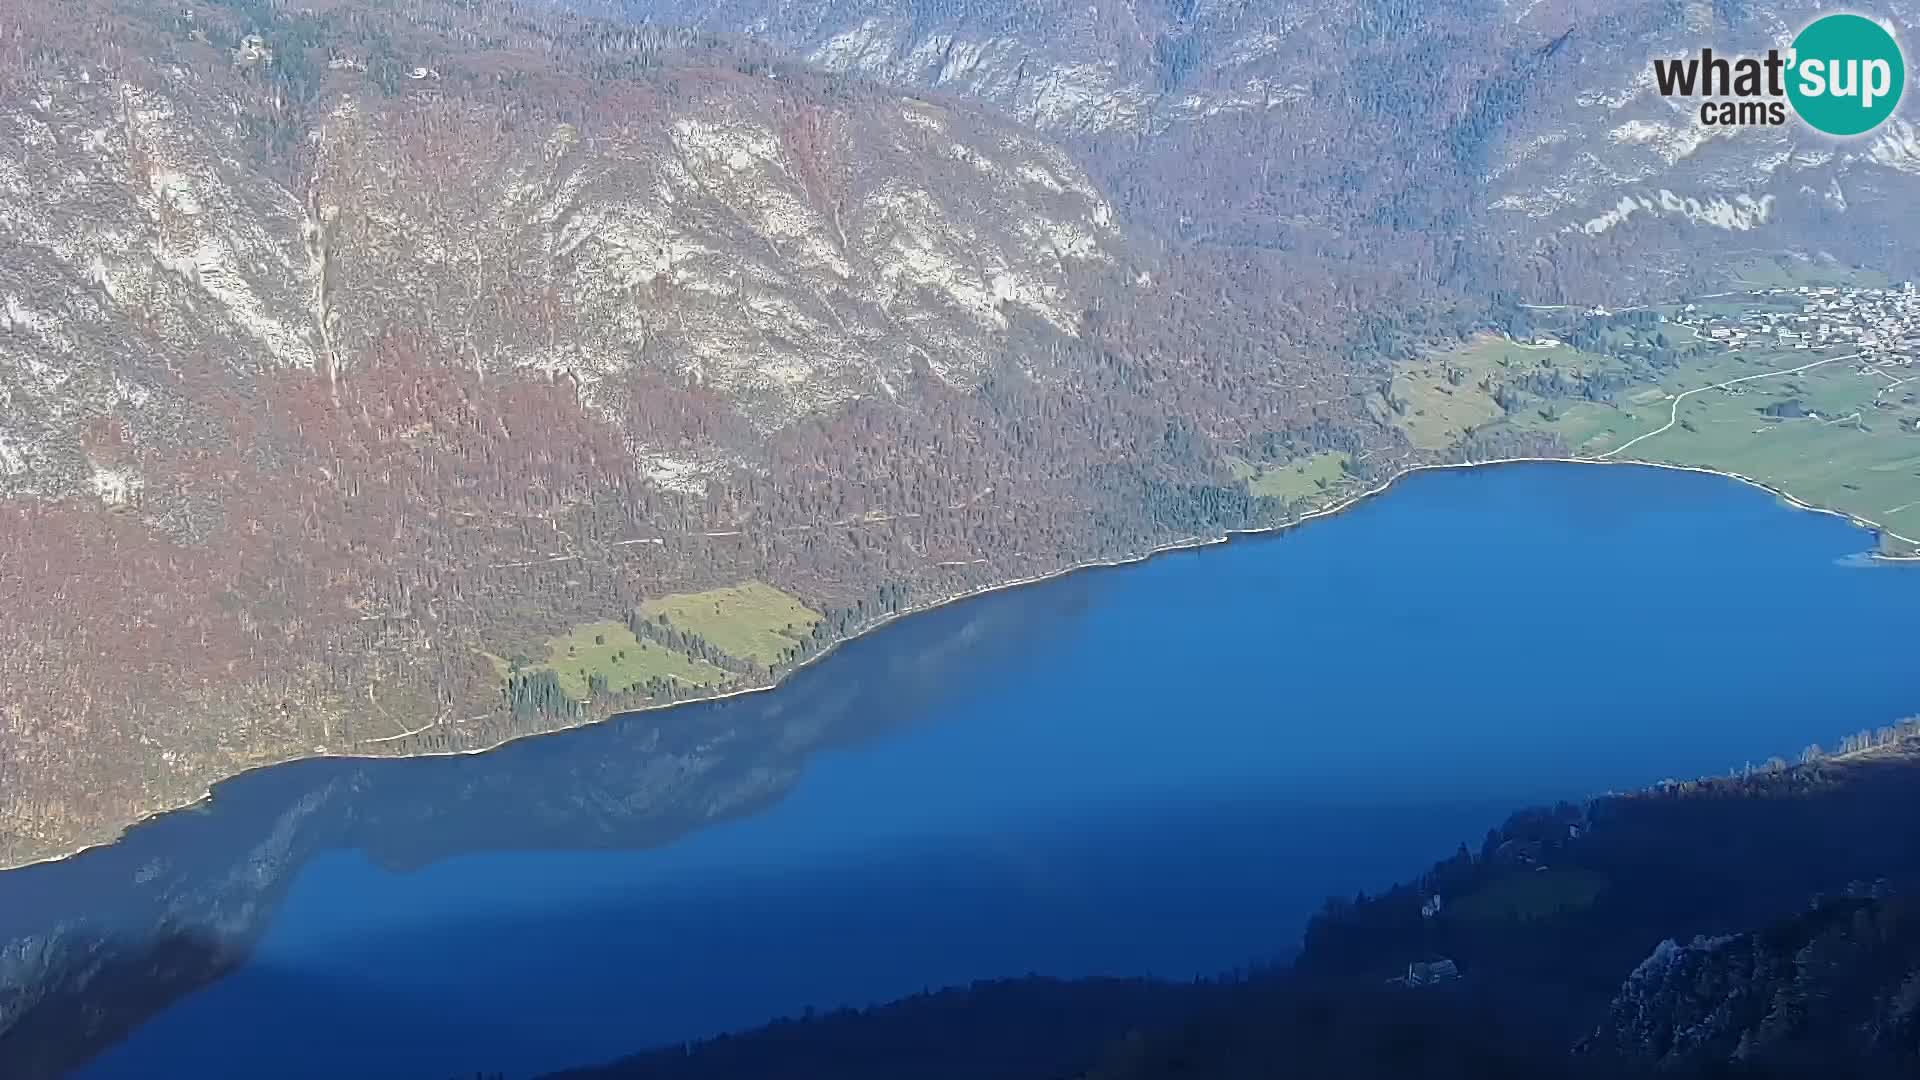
point(609, 650)
point(1436, 398)
point(1297, 479)
point(1441, 396)
point(751, 620)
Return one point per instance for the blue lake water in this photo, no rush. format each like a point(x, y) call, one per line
point(1162, 768)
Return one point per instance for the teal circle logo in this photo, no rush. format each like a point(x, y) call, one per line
point(1847, 74)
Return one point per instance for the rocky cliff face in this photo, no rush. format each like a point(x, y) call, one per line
point(1609, 150)
point(1060, 67)
point(1539, 119)
point(747, 238)
point(740, 232)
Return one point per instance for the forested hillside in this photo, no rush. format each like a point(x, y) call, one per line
point(391, 348)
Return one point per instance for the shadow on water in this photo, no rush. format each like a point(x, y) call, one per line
point(93, 945)
point(1514, 586)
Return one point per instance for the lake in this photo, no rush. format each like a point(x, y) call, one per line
point(1163, 768)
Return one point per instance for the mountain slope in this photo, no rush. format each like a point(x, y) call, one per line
point(364, 360)
point(1523, 131)
point(359, 357)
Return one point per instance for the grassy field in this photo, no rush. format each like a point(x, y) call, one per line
point(1444, 394)
point(1439, 397)
point(1297, 479)
point(610, 649)
point(1593, 428)
point(1526, 895)
point(1847, 441)
point(752, 620)
point(1854, 451)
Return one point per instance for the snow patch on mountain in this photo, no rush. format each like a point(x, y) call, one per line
point(1740, 213)
point(1671, 142)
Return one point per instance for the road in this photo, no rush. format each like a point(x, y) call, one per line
point(1684, 395)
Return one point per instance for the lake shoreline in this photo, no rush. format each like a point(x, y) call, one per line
point(1190, 543)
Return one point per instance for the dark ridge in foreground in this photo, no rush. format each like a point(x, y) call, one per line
point(1759, 925)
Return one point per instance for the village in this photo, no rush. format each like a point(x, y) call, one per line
point(1883, 324)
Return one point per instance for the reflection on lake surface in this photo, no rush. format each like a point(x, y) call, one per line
point(1162, 768)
